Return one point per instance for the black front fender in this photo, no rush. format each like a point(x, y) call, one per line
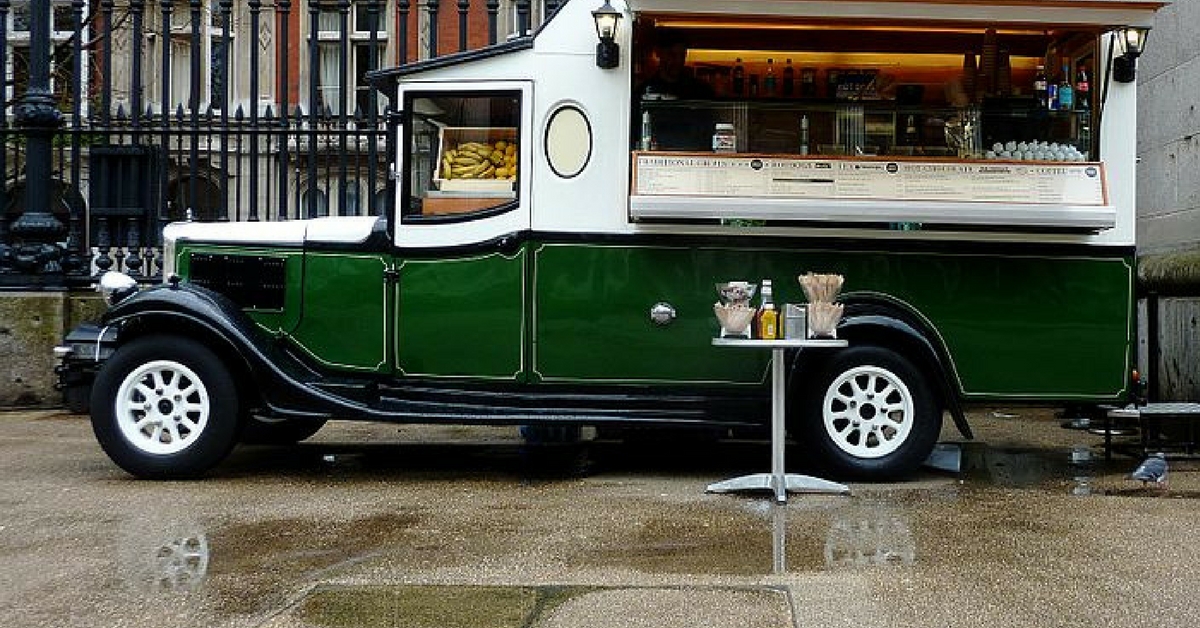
point(278, 379)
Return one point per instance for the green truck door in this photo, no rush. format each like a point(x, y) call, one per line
point(460, 265)
point(461, 316)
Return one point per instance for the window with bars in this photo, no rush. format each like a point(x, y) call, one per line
point(367, 36)
point(217, 71)
point(62, 67)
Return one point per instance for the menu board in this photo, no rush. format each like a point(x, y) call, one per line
point(1080, 184)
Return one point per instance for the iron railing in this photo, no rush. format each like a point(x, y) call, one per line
point(123, 115)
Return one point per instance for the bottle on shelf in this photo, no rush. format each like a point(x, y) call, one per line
point(989, 63)
point(647, 132)
point(1082, 88)
point(910, 131)
point(753, 86)
point(769, 79)
point(789, 79)
point(1041, 87)
point(1066, 93)
point(1004, 74)
point(1085, 137)
point(808, 83)
point(969, 74)
point(804, 135)
point(738, 78)
point(767, 318)
point(1052, 95)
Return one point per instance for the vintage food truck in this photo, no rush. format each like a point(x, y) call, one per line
point(561, 217)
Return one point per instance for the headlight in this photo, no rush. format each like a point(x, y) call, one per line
point(168, 253)
point(116, 286)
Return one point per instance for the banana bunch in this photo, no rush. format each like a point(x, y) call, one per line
point(481, 160)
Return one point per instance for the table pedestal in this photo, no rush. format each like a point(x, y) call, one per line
point(778, 481)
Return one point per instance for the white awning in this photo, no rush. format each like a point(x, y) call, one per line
point(1096, 13)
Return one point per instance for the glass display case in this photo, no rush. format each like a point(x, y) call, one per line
point(902, 90)
point(874, 128)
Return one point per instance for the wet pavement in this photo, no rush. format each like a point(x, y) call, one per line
point(376, 525)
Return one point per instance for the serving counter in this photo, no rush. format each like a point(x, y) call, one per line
point(994, 194)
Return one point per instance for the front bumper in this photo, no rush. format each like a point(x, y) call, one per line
point(80, 356)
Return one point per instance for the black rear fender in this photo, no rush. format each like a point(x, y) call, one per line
point(873, 319)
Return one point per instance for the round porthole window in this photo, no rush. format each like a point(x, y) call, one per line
point(568, 141)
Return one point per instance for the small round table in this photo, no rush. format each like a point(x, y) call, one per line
point(778, 480)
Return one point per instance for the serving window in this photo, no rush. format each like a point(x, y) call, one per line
point(900, 90)
point(891, 125)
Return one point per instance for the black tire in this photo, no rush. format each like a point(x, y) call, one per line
point(868, 413)
point(267, 431)
point(75, 398)
point(165, 407)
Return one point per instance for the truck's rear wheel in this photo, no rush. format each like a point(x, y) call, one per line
point(165, 407)
point(870, 413)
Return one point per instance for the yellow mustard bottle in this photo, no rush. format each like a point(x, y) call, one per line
point(768, 317)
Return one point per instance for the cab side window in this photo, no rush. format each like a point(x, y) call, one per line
point(463, 154)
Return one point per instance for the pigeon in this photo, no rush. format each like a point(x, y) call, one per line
point(1152, 469)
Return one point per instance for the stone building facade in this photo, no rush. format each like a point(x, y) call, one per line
point(1169, 133)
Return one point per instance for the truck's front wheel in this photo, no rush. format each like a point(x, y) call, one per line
point(870, 413)
point(165, 407)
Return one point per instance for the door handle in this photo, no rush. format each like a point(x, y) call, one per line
point(662, 313)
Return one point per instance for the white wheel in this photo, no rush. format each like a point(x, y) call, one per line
point(868, 412)
point(165, 407)
point(162, 407)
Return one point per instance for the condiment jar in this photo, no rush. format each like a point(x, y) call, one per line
point(724, 138)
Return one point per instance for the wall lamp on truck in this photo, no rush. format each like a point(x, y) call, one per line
point(1131, 41)
point(608, 53)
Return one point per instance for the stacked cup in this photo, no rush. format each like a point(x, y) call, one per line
point(734, 311)
point(823, 312)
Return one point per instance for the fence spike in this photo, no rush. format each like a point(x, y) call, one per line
point(174, 144)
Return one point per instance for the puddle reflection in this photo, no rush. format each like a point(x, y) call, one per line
point(778, 539)
point(855, 537)
point(171, 558)
point(861, 538)
point(182, 564)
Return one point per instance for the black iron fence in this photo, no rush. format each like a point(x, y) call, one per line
point(120, 116)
